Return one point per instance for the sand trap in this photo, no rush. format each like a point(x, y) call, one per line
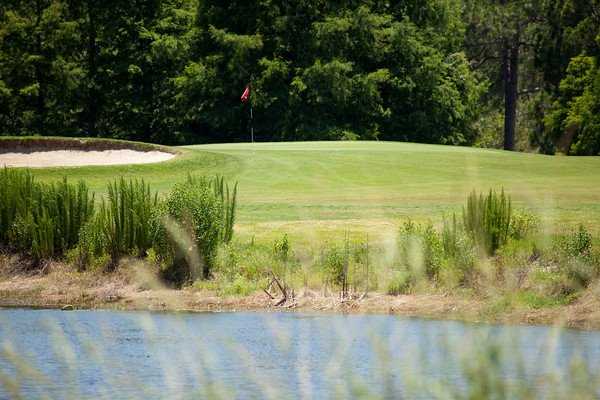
point(74, 158)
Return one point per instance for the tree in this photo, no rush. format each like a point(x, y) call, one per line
point(498, 33)
point(568, 52)
point(37, 70)
point(171, 71)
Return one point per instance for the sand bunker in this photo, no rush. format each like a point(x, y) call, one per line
point(73, 158)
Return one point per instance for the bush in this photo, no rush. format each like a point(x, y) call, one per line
point(421, 248)
point(189, 231)
point(92, 247)
point(335, 261)
point(523, 224)
point(458, 254)
point(400, 283)
point(42, 219)
point(281, 248)
point(17, 189)
point(228, 200)
point(253, 261)
point(578, 243)
point(487, 219)
point(576, 257)
point(126, 218)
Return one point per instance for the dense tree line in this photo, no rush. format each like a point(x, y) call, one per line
point(172, 71)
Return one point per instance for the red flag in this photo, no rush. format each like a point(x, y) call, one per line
point(246, 94)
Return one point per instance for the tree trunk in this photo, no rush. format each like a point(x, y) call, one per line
point(510, 78)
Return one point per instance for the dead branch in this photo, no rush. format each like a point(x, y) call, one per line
point(269, 294)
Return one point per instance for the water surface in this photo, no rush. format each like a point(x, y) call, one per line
point(124, 355)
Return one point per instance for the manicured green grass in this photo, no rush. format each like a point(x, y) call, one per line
point(317, 189)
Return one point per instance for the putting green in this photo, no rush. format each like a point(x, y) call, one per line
point(319, 188)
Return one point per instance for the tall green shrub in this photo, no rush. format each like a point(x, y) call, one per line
point(16, 193)
point(227, 197)
point(126, 218)
point(42, 219)
point(189, 231)
point(420, 248)
point(487, 219)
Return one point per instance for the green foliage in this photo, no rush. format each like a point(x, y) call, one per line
point(92, 246)
point(578, 243)
point(190, 231)
point(487, 219)
point(400, 283)
point(335, 263)
point(421, 249)
point(228, 200)
point(43, 219)
point(458, 252)
point(48, 220)
point(523, 224)
point(576, 257)
point(574, 120)
point(281, 248)
point(446, 258)
point(252, 261)
point(17, 190)
point(126, 218)
point(239, 286)
point(171, 71)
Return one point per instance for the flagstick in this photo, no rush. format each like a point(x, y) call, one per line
point(251, 124)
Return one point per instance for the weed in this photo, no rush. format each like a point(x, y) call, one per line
point(487, 219)
point(42, 219)
point(523, 224)
point(281, 248)
point(400, 283)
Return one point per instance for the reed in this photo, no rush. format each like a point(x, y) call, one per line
point(42, 219)
point(227, 198)
point(487, 219)
point(126, 218)
point(16, 192)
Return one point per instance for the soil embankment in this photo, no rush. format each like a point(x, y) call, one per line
point(136, 287)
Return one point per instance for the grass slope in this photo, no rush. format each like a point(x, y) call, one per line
point(320, 188)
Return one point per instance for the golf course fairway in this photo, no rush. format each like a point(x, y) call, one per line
point(313, 190)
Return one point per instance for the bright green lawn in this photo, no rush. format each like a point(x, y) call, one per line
point(315, 188)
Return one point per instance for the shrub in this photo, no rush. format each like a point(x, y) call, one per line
point(281, 248)
point(92, 246)
point(126, 218)
point(523, 224)
point(239, 286)
point(334, 262)
point(487, 219)
point(189, 231)
point(400, 283)
point(43, 219)
point(228, 200)
point(556, 284)
point(578, 243)
point(17, 189)
point(421, 248)
point(458, 253)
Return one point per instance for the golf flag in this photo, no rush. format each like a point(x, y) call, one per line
point(246, 94)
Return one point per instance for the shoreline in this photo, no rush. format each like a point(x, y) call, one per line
point(133, 288)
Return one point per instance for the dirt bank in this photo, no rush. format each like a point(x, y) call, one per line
point(136, 287)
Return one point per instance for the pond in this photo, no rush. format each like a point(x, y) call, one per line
point(124, 355)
